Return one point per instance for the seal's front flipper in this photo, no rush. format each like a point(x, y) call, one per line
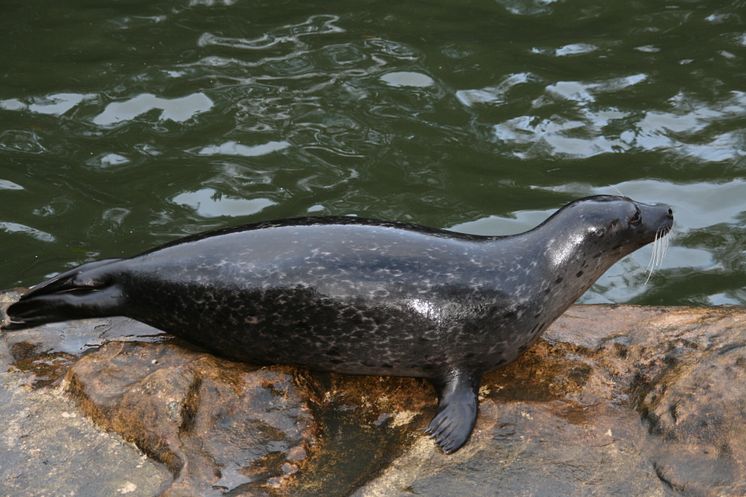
point(457, 410)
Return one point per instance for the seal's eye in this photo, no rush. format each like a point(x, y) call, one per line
point(637, 218)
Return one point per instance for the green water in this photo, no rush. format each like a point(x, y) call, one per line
point(130, 123)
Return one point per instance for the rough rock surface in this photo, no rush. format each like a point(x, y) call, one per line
point(48, 448)
point(615, 400)
point(627, 401)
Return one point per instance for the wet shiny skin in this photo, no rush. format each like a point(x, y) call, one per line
point(364, 297)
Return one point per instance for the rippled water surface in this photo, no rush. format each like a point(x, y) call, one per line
point(127, 124)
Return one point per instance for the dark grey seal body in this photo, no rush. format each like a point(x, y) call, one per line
point(362, 297)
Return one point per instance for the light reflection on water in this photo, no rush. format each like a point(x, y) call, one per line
point(177, 109)
point(612, 130)
point(168, 118)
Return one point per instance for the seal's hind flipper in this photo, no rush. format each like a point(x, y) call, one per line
point(74, 279)
point(42, 309)
point(84, 292)
point(457, 410)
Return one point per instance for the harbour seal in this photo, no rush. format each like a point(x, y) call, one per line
point(362, 297)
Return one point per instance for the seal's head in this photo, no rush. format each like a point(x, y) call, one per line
point(620, 222)
point(592, 233)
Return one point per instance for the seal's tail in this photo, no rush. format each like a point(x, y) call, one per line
point(84, 292)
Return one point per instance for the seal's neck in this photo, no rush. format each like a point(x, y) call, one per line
point(571, 254)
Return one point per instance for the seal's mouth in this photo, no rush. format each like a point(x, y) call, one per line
point(666, 228)
point(656, 219)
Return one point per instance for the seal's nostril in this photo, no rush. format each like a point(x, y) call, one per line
point(670, 213)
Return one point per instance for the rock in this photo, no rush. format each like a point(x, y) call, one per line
point(227, 427)
point(627, 401)
point(615, 400)
point(528, 449)
point(48, 448)
point(219, 426)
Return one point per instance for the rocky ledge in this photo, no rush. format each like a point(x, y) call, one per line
point(615, 400)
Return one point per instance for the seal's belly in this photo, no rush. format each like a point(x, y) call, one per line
point(397, 334)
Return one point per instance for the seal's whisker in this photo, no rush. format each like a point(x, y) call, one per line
point(659, 255)
point(664, 247)
point(661, 243)
point(666, 243)
point(653, 256)
point(649, 268)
